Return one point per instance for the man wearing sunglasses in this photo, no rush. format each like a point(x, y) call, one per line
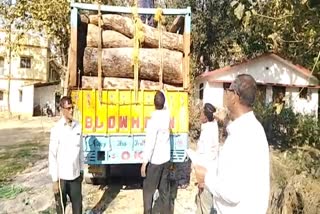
point(241, 183)
point(66, 159)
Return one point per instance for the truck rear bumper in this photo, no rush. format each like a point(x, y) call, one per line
point(127, 149)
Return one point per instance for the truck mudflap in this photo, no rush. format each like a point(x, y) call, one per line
point(127, 149)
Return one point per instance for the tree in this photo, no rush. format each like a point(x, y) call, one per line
point(50, 17)
point(225, 32)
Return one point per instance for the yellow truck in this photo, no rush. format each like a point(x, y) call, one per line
point(114, 120)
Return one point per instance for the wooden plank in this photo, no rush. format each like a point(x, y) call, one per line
point(186, 50)
point(73, 48)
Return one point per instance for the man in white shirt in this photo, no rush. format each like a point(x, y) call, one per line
point(241, 183)
point(66, 159)
point(207, 151)
point(156, 157)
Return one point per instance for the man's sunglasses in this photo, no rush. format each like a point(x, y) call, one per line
point(68, 108)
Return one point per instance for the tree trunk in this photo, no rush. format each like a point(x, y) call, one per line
point(117, 62)
point(122, 83)
point(110, 38)
point(125, 26)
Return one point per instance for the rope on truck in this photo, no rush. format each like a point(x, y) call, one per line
point(138, 38)
point(160, 19)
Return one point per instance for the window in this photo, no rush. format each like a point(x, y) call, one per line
point(1, 65)
point(201, 91)
point(25, 62)
point(1, 95)
point(20, 95)
point(261, 94)
point(278, 93)
point(303, 93)
point(226, 85)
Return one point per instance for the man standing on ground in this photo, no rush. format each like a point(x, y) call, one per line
point(66, 159)
point(241, 183)
point(156, 157)
point(207, 150)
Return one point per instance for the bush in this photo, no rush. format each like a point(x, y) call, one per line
point(288, 129)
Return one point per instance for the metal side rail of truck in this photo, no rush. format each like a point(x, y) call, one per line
point(114, 120)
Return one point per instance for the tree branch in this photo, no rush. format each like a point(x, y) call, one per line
point(273, 18)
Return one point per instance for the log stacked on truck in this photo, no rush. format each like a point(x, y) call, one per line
point(117, 42)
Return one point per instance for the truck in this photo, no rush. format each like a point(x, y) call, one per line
point(114, 120)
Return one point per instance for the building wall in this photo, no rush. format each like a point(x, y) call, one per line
point(45, 94)
point(34, 46)
point(266, 70)
point(26, 106)
point(305, 106)
point(212, 93)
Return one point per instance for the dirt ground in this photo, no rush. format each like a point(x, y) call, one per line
point(122, 194)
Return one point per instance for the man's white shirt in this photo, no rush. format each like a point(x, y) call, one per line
point(208, 144)
point(66, 158)
point(241, 182)
point(157, 142)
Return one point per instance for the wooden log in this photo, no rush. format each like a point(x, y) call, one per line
point(117, 62)
point(125, 26)
point(110, 38)
point(123, 83)
point(177, 25)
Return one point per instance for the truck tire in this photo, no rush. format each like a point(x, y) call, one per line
point(90, 178)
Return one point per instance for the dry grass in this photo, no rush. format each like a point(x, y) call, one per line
point(292, 189)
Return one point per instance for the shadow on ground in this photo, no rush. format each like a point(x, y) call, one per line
point(122, 177)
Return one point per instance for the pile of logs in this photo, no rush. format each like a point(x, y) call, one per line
point(117, 33)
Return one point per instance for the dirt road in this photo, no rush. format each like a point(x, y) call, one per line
point(122, 193)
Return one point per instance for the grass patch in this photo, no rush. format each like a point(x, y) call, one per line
point(9, 191)
point(16, 158)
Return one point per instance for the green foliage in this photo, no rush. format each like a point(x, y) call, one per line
point(288, 129)
point(10, 191)
point(225, 32)
point(308, 132)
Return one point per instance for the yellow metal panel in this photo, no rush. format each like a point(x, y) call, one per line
point(88, 118)
point(136, 121)
point(124, 111)
point(118, 112)
point(101, 112)
point(184, 113)
point(76, 97)
point(113, 111)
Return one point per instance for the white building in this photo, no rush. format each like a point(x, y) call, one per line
point(273, 74)
point(28, 64)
